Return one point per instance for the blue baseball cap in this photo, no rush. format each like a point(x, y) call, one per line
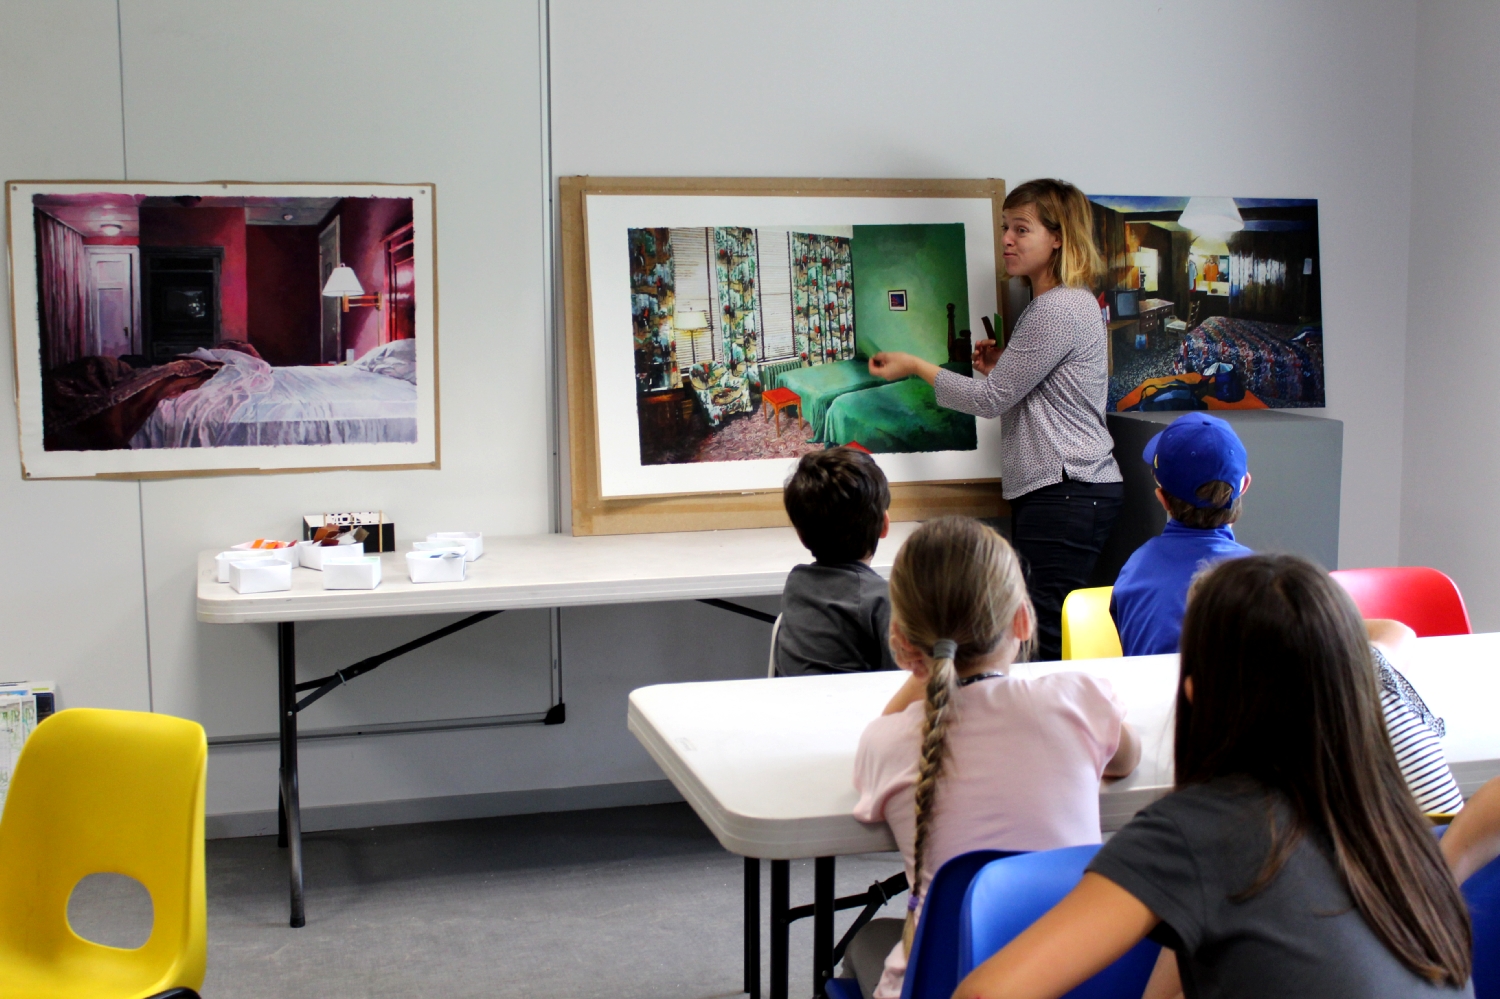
point(1196, 449)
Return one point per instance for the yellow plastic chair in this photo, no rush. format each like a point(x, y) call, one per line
point(104, 792)
point(1088, 630)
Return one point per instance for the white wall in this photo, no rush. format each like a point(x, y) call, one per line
point(60, 117)
point(1281, 99)
point(1278, 99)
point(1451, 462)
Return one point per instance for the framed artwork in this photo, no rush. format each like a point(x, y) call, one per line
point(1231, 301)
point(718, 329)
point(168, 329)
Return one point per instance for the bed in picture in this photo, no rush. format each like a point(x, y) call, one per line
point(903, 416)
point(249, 402)
point(1281, 364)
point(820, 385)
point(230, 397)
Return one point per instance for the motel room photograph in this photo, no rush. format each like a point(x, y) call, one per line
point(189, 321)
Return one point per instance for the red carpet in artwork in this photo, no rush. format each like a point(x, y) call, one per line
point(750, 435)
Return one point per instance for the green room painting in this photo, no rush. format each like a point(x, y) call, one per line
point(928, 263)
point(753, 342)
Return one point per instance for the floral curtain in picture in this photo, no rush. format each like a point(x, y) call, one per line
point(62, 276)
point(651, 298)
point(736, 264)
point(822, 298)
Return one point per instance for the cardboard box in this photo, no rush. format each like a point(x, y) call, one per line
point(287, 554)
point(380, 532)
point(470, 540)
point(313, 555)
point(436, 566)
point(260, 575)
point(362, 573)
point(224, 558)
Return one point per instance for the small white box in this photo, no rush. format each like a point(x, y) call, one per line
point(224, 558)
point(361, 573)
point(314, 556)
point(470, 540)
point(287, 554)
point(436, 566)
point(440, 546)
point(260, 575)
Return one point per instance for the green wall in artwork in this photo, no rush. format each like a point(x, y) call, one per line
point(928, 262)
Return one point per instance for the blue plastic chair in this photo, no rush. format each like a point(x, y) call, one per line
point(1482, 892)
point(932, 969)
point(1482, 895)
point(1009, 895)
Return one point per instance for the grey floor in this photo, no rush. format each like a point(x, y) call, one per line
point(624, 902)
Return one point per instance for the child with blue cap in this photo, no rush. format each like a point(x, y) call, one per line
point(1201, 476)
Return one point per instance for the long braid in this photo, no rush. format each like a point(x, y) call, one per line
point(956, 588)
point(942, 684)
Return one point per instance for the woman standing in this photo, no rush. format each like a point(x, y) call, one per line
point(1050, 384)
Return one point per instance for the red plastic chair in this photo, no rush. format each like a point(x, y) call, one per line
point(1423, 599)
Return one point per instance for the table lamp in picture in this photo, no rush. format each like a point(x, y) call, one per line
point(693, 324)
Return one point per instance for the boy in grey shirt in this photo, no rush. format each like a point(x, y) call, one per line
point(836, 613)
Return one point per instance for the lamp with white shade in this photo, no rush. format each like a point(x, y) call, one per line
point(344, 284)
point(691, 323)
point(1213, 216)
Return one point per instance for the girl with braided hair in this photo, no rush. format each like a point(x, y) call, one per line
point(966, 756)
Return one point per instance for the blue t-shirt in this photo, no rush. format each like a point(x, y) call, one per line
point(1151, 591)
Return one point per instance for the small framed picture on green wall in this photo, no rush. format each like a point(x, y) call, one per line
point(896, 300)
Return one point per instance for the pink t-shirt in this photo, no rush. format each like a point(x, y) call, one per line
point(1025, 756)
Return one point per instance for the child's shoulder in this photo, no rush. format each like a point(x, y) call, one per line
point(1067, 692)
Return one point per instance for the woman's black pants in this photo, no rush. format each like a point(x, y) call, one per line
point(1059, 531)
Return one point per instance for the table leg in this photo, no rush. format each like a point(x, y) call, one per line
point(752, 927)
point(822, 922)
point(290, 810)
point(781, 891)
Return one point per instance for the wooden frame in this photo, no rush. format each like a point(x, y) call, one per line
point(592, 512)
point(113, 461)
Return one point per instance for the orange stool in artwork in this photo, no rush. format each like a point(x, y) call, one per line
point(777, 399)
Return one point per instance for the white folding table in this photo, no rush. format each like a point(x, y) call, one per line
point(515, 572)
point(768, 764)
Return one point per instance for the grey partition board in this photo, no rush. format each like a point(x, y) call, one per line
point(1296, 463)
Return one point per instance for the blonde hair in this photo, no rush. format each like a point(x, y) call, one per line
point(1065, 212)
point(955, 590)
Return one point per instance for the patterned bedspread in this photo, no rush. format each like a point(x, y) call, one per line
point(821, 384)
point(1280, 364)
point(899, 417)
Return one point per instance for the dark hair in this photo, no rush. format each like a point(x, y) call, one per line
point(837, 500)
point(1218, 513)
point(1284, 693)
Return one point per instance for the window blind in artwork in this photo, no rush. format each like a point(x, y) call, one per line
point(693, 269)
point(776, 295)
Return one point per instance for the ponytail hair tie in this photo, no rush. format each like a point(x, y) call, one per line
point(945, 648)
